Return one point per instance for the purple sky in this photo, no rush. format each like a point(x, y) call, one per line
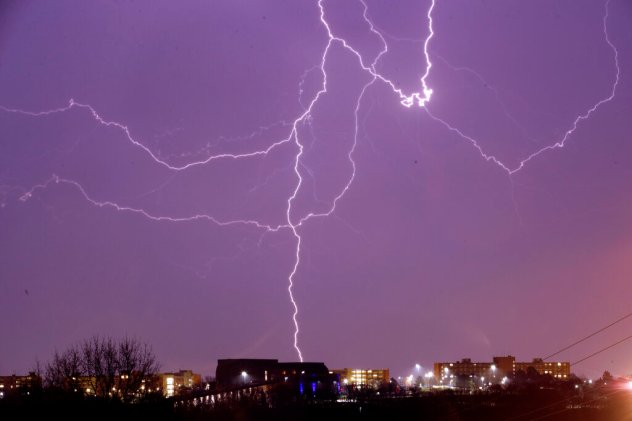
point(432, 253)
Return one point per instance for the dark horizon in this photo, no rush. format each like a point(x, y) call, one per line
point(357, 183)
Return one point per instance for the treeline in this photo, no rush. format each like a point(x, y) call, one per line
point(99, 378)
point(104, 368)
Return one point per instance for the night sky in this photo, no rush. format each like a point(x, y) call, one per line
point(163, 164)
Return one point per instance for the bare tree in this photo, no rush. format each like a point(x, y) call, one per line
point(64, 371)
point(102, 367)
point(136, 364)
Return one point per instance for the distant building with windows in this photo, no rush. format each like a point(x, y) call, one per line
point(305, 377)
point(560, 370)
point(499, 368)
point(15, 385)
point(174, 383)
point(363, 376)
point(247, 371)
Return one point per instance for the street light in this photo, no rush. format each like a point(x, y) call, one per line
point(429, 375)
point(418, 368)
point(244, 375)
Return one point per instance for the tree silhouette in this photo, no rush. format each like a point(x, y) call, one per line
point(103, 367)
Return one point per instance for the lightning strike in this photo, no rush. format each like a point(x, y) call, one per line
point(160, 218)
point(294, 223)
point(561, 142)
point(125, 129)
point(496, 93)
point(294, 227)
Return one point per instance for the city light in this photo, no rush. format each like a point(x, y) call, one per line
point(170, 389)
point(296, 214)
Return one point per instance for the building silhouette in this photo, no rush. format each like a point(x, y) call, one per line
point(498, 369)
point(305, 377)
point(18, 385)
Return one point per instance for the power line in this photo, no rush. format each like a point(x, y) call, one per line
point(588, 337)
point(530, 414)
point(602, 350)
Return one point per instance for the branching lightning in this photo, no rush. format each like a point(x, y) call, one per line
point(74, 104)
point(160, 218)
point(494, 90)
point(560, 143)
point(295, 222)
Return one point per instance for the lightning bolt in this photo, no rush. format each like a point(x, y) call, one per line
point(569, 132)
point(560, 144)
point(74, 104)
point(494, 90)
point(294, 223)
point(55, 179)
